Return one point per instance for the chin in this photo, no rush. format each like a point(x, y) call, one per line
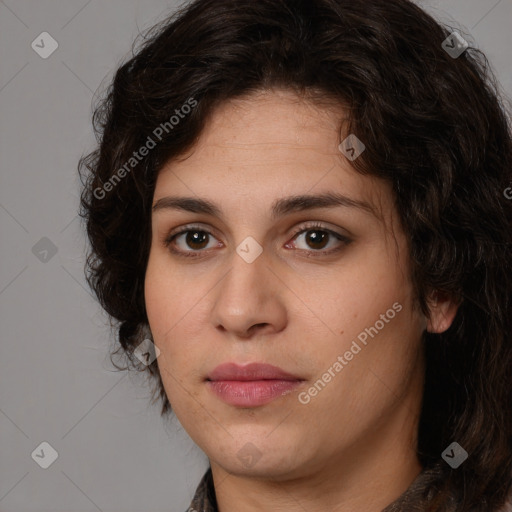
point(261, 458)
point(264, 468)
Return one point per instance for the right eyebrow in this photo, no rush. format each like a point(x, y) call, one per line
point(188, 204)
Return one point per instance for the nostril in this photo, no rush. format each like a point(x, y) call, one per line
point(257, 326)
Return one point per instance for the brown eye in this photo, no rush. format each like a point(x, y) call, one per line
point(190, 242)
point(196, 239)
point(316, 238)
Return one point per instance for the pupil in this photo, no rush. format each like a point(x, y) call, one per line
point(195, 238)
point(315, 238)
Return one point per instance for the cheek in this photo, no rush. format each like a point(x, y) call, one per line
point(175, 315)
point(164, 311)
point(370, 305)
point(157, 299)
point(357, 295)
point(163, 305)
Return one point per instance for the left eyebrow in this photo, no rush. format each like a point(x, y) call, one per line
point(280, 207)
point(306, 202)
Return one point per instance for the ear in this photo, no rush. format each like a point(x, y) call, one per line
point(443, 309)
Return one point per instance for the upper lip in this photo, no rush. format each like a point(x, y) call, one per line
point(251, 371)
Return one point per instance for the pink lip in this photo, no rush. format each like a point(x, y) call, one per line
point(251, 385)
point(251, 371)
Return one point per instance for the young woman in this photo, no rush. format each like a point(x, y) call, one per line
point(303, 205)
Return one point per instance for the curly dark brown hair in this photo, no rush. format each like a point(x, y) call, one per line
point(435, 127)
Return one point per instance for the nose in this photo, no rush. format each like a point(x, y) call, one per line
point(249, 300)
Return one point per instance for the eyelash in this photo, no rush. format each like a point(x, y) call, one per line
point(312, 226)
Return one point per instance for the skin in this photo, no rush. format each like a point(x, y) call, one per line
point(352, 446)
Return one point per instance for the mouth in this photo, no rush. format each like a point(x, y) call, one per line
point(252, 393)
point(251, 385)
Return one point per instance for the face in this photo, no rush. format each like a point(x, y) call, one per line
point(318, 288)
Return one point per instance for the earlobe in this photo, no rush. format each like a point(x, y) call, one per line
point(443, 309)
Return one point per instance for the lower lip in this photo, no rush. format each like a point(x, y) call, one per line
point(251, 393)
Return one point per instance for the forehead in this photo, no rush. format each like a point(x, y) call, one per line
point(268, 145)
point(275, 122)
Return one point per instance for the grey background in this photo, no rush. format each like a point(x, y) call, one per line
point(56, 381)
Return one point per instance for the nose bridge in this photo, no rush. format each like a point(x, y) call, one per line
point(245, 285)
